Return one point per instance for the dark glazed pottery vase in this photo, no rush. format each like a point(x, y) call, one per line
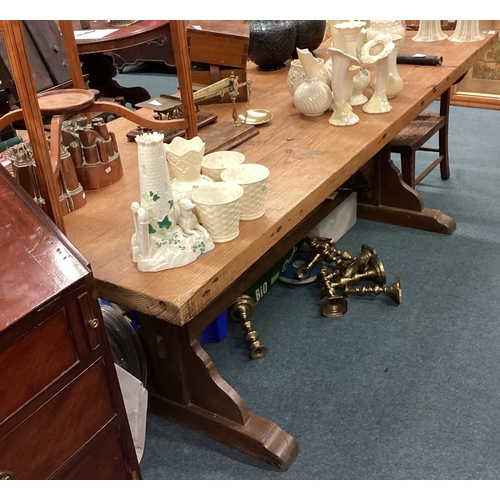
point(310, 34)
point(271, 43)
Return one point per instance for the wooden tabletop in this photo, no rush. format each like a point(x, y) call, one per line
point(124, 36)
point(308, 160)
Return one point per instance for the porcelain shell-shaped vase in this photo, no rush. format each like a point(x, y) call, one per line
point(429, 31)
point(185, 157)
point(376, 52)
point(466, 31)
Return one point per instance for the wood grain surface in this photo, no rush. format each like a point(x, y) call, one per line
point(308, 160)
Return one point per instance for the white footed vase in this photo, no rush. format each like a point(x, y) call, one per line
point(162, 239)
point(376, 52)
point(185, 157)
point(342, 115)
point(466, 31)
point(313, 96)
point(429, 31)
point(394, 81)
point(353, 35)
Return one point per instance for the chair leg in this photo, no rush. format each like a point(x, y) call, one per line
point(443, 151)
point(408, 168)
point(443, 135)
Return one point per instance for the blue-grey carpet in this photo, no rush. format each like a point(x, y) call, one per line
point(386, 391)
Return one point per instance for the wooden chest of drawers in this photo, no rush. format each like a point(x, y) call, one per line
point(61, 411)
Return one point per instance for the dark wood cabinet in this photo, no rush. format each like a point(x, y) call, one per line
point(61, 410)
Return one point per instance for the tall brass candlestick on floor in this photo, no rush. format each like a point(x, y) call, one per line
point(241, 311)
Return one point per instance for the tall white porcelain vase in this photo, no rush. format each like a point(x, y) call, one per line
point(376, 52)
point(313, 96)
point(429, 31)
point(351, 31)
point(342, 115)
point(154, 181)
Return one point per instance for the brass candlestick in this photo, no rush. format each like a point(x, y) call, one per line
point(393, 290)
point(326, 251)
point(241, 311)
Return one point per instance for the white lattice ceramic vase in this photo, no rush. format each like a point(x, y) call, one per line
point(185, 157)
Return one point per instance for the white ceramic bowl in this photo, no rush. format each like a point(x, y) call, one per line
point(213, 164)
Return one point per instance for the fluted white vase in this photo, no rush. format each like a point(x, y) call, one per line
point(376, 52)
point(466, 31)
point(429, 31)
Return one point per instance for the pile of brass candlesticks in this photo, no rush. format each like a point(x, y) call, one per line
point(340, 278)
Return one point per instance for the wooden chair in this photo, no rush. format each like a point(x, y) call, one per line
point(414, 137)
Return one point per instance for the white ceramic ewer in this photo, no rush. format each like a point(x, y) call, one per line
point(376, 52)
point(343, 114)
point(313, 96)
point(429, 31)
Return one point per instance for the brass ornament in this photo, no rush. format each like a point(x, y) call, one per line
point(342, 273)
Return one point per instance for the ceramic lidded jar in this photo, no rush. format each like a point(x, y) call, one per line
point(185, 157)
point(313, 96)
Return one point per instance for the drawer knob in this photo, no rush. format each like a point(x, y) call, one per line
point(94, 323)
point(6, 474)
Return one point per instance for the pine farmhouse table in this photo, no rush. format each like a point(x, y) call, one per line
point(308, 159)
